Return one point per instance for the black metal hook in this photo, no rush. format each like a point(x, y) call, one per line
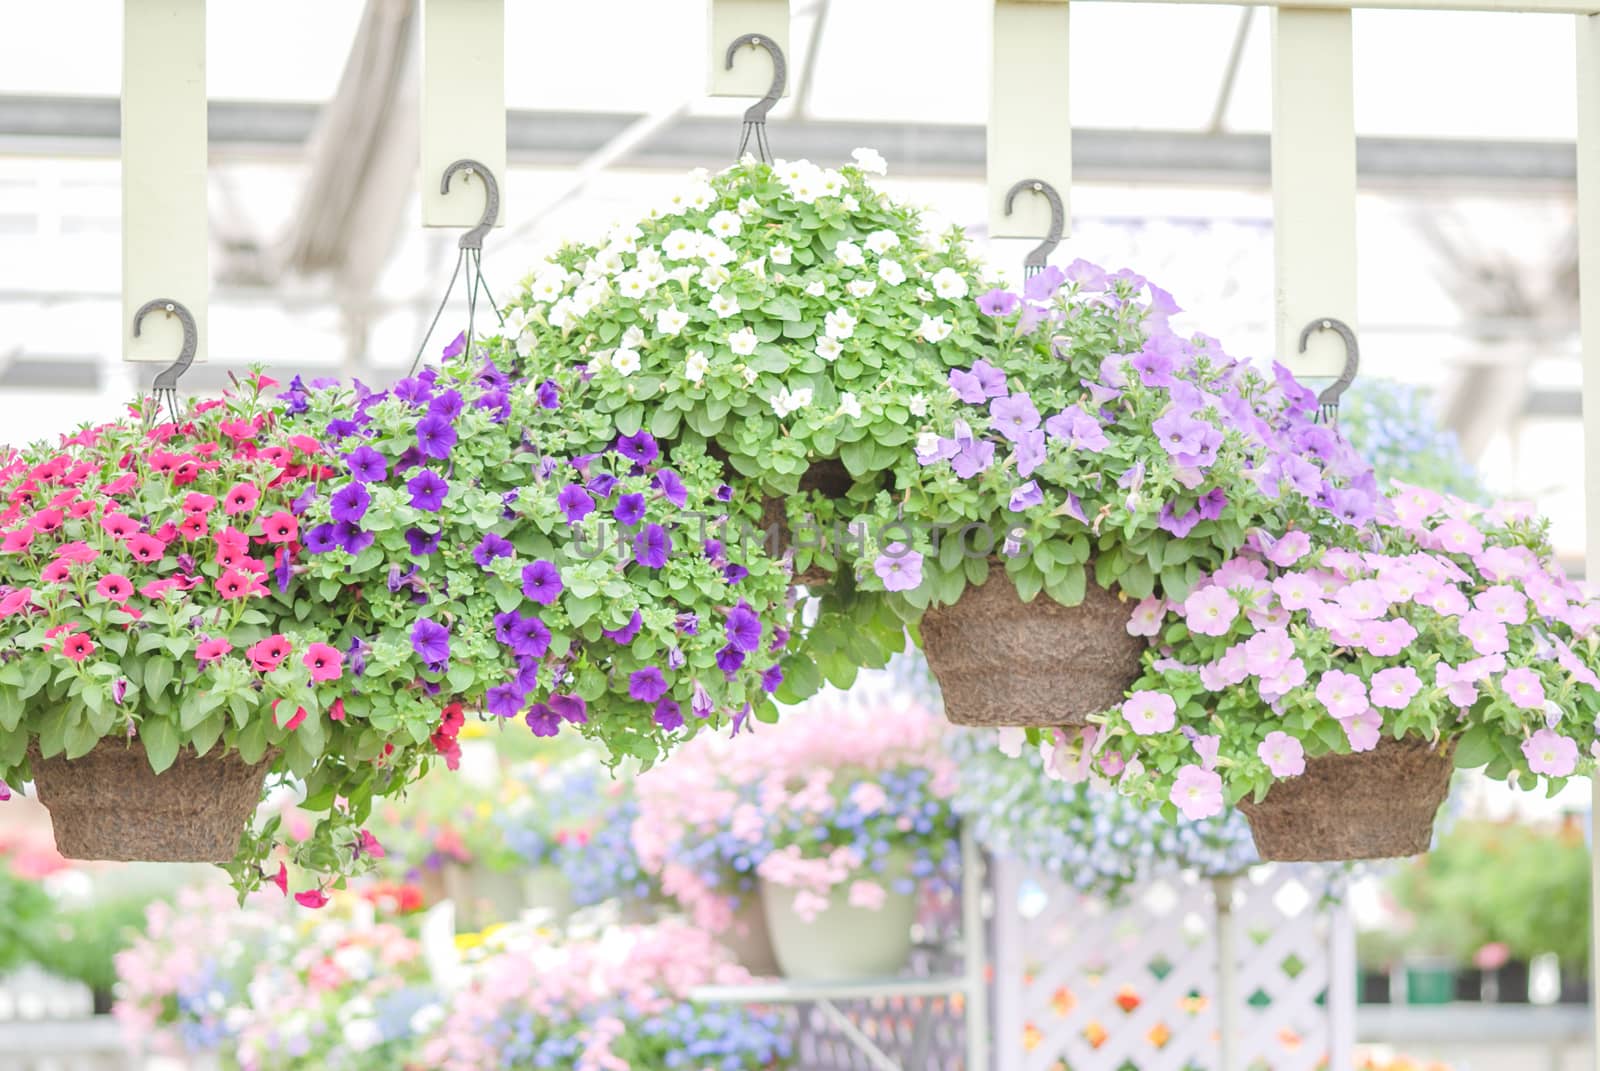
point(165, 387)
point(1328, 400)
point(1034, 262)
point(473, 239)
point(755, 116)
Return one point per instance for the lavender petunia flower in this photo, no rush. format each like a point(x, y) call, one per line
point(700, 704)
point(1026, 495)
point(350, 502)
point(899, 567)
point(1212, 503)
point(1013, 416)
point(1178, 526)
point(491, 547)
point(1030, 452)
point(652, 546)
point(366, 464)
point(357, 660)
point(1043, 286)
point(541, 582)
point(647, 684)
point(431, 641)
point(436, 437)
point(998, 302)
point(626, 633)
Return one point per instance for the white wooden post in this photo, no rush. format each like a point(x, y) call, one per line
point(1313, 184)
point(1228, 1028)
point(1587, 29)
point(728, 20)
point(463, 105)
point(165, 244)
point(1030, 124)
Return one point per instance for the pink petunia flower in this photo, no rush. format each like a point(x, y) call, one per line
point(868, 895)
point(1503, 603)
point(1550, 753)
point(1388, 637)
point(1284, 755)
point(1197, 793)
point(241, 498)
point(1364, 600)
point(1267, 653)
point(211, 650)
point(1459, 537)
point(1288, 549)
point(1343, 694)
point(1487, 636)
point(1395, 687)
point(1296, 591)
point(1150, 712)
point(1364, 730)
point(325, 662)
point(1524, 688)
point(15, 601)
point(1210, 611)
point(1146, 619)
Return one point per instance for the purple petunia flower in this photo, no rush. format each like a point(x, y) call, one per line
point(1180, 433)
point(571, 708)
point(743, 628)
point(972, 455)
point(701, 705)
point(1043, 286)
point(351, 537)
point(640, 447)
point(320, 540)
point(530, 637)
point(504, 700)
point(602, 484)
point(983, 382)
point(491, 547)
point(724, 493)
point(435, 437)
point(671, 487)
point(357, 662)
point(527, 677)
point(422, 543)
point(431, 641)
point(549, 395)
point(350, 502)
point(447, 405)
point(366, 464)
point(771, 679)
point(669, 715)
point(541, 582)
point(1179, 526)
point(428, 490)
point(630, 510)
point(733, 573)
point(575, 503)
point(1030, 452)
point(688, 623)
point(899, 567)
point(1024, 496)
point(730, 659)
point(457, 347)
point(652, 547)
point(647, 684)
point(413, 391)
point(1212, 503)
point(1013, 416)
point(626, 633)
point(543, 721)
point(505, 625)
point(998, 302)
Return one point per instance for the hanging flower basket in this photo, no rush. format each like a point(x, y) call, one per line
point(1003, 662)
point(109, 804)
point(1377, 804)
point(829, 479)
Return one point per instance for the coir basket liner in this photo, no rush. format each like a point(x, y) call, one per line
point(109, 804)
point(1001, 661)
point(1377, 804)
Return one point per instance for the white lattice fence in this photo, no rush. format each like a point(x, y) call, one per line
point(1081, 985)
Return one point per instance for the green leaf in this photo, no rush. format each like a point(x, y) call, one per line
point(204, 736)
point(11, 710)
point(160, 739)
point(1476, 748)
point(158, 673)
point(664, 422)
point(1069, 589)
point(81, 739)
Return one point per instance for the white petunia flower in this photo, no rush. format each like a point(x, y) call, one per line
point(829, 349)
point(625, 238)
point(849, 406)
point(714, 250)
point(949, 284)
point(669, 321)
point(601, 360)
point(870, 161)
point(681, 244)
point(654, 275)
point(848, 254)
point(816, 288)
point(750, 375)
point(756, 267)
point(788, 401)
point(701, 195)
point(781, 253)
point(516, 322)
point(726, 224)
point(714, 276)
point(549, 287)
point(633, 338)
point(647, 259)
point(880, 242)
point(918, 404)
point(860, 288)
point(928, 444)
point(724, 305)
point(923, 294)
point(610, 261)
point(696, 366)
point(525, 343)
point(682, 274)
point(561, 314)
point(891, 272)
point(934, 329)
point(743, 341)
point(850, 203)
point(832, 183)
point(632, 284)
point(625, 361)
point(748, 205)
point(839, 324)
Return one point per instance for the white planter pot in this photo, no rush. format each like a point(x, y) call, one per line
point(842, 942)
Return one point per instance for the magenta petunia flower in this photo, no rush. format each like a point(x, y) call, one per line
point(325, 662)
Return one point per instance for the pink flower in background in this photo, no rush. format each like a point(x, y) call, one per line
point(1524, 688)
point(1487, 635)
point(1550, 753)
point(1150, 712)
point(1503, 603)
point(1289, 548)
point(1395, 687)
point(867, 894)
point(1386, 638)
point(1364, 600)
point(809, 905)
point(1283, 754)
point(869, 797)
point(1206, 746)
point(1268, 652)
point(1461, 689)
point(1446, 599)
point(1197, 793)
point(1147, 617)
point(1296, 591)
point(1210, 611)
point(1459, 537)
point(1364, 730)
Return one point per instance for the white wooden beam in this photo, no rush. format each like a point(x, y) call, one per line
point(463, 105)
point(1030, 123)
point(726, 22)
point(1313, 184)
point(165, 247)
point(1536, 7)
point(1587, 29)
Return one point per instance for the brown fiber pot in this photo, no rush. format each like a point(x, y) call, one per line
point(1003, 662)
point(109, 804)
point(1377, 804)
point(830, 479)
